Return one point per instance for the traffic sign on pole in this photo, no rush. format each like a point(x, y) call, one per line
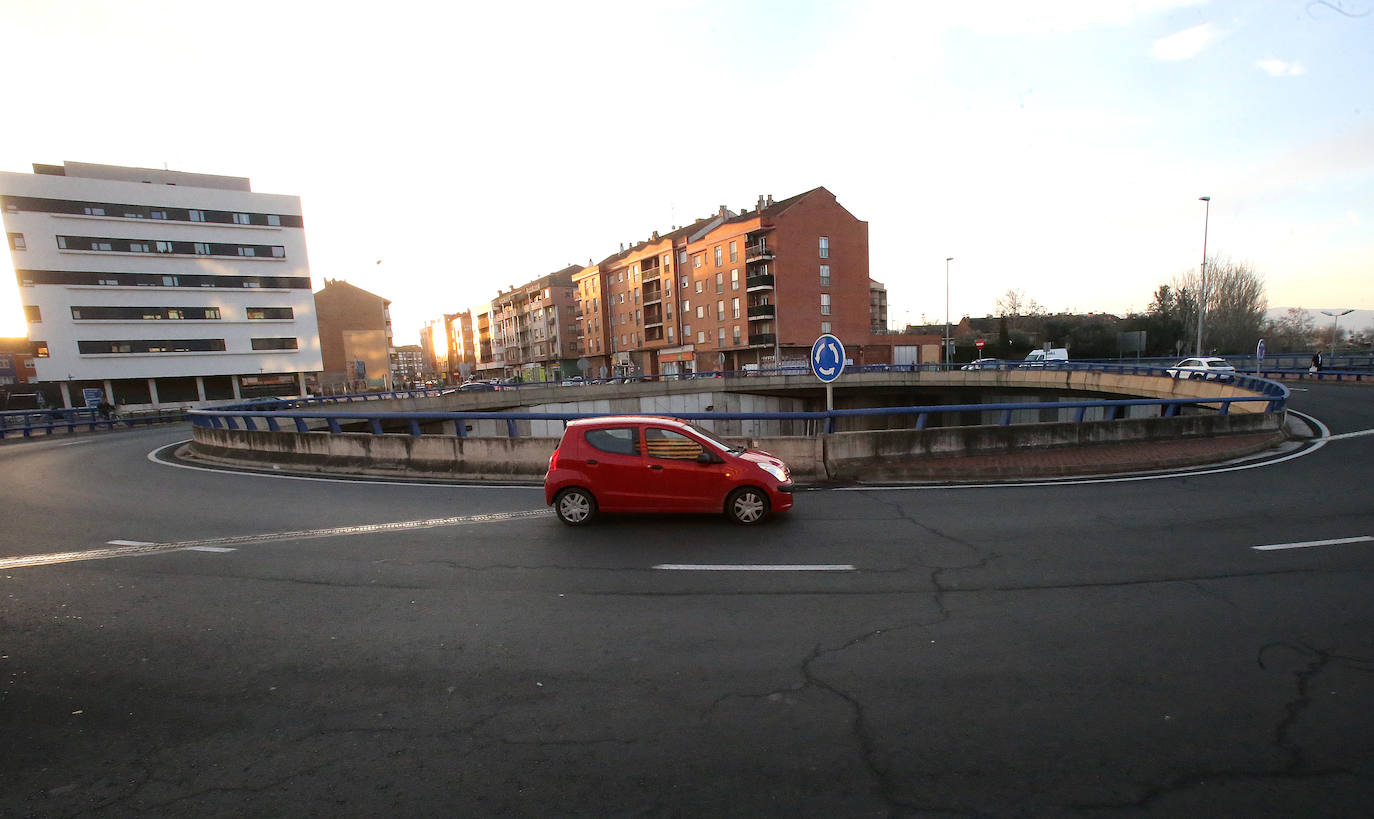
point(827, 358)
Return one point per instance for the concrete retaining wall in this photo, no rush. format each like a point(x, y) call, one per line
point(844, 456)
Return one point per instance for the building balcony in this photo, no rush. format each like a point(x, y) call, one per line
point(762, 311)
point(762, 339)
point(757, 253)
point(763, 281)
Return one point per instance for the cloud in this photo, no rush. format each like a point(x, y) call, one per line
point(1185, 44)
point(1279, 68)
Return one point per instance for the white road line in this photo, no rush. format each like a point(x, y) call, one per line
point(1273, 547)
point(1344, 435)
point(137, 548)
point(215, 549)
point(728, 567)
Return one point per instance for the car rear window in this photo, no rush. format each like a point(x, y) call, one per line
point(616, 440)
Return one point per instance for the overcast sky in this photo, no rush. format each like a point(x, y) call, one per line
point(1058, 148)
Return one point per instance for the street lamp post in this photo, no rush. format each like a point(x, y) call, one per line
point(1202, 297)
point(947, 351)
point(1335, 317)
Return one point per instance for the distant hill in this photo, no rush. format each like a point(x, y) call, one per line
point(1357, 320)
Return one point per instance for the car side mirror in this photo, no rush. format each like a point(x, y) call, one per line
point(705, 457)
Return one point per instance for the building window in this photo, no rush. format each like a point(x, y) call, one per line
point(697, 260)
point(734, 279)
point(825, 304)
point(32, 314)
point(734, 308)
point(273, 220)
point(242, 219)
point(718, 261)
point(670, 333)
point(196, 215)
point(17, 241)
point(275, 344)
point(261, 313)
point(686, 331)
point(684, 283)
point(825, 327)
point(720, 337)
point(734, 253)
point(825, 275)
point(701, 336)
point(734, 332)
point(700, 286)
point(93, 211)
point(720, 282)
point(825, 247)
point(202, 248)
point(720, 310)
point(701, 311)
point(40, 349)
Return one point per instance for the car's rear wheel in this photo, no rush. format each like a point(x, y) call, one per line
point(747, 505)
point(574, 506)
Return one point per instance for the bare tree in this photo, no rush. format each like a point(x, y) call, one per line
point(1235, 305)
point(1294, 331)
point(1015, 304)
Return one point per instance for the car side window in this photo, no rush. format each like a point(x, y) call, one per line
point(616, 440)
point(665, 443)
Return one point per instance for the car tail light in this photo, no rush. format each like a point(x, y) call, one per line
point(553, 461)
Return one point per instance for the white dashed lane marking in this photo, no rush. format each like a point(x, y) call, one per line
point(138, 548)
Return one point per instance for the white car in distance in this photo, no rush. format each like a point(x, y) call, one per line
point(1208, 368)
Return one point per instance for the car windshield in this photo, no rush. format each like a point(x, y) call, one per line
point(712, 440)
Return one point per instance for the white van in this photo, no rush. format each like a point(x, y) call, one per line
point(1038, 358)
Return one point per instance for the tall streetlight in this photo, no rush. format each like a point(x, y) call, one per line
point(1335, 317)
point(1202, 297)
point(947, 351)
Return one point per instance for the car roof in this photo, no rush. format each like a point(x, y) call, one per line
point(621, 420)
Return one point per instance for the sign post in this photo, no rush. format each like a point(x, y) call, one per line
point(827, 362)
point(980, 344)
point(1259, 356)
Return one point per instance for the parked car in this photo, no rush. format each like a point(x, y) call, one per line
point(1208, 368)
point(478, 386)
point(647, 463)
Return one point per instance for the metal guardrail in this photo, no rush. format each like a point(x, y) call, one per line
point(27, 423)
point(1273, 394)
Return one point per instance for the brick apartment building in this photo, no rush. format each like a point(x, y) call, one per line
point(355, 337)
point(727, 292)
point(529, 331)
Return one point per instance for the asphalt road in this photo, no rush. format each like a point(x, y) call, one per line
point(259, 646)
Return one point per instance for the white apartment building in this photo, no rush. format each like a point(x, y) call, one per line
point(161, 287)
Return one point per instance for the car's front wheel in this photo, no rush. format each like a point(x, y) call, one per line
point(574, 506)
point(747, 505)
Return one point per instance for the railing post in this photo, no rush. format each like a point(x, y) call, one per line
point(334, 425)
point(414, 428)
point(301, 425)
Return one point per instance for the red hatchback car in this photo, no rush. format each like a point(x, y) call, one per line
point(646, 463)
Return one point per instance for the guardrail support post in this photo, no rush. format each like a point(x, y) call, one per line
point(376, 426)
point(415, 428)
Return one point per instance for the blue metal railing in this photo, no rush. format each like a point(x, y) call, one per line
point(27, 423)
point(298, 414)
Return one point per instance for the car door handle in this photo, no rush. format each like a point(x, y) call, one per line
point(656, 466)
point(591, 462)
